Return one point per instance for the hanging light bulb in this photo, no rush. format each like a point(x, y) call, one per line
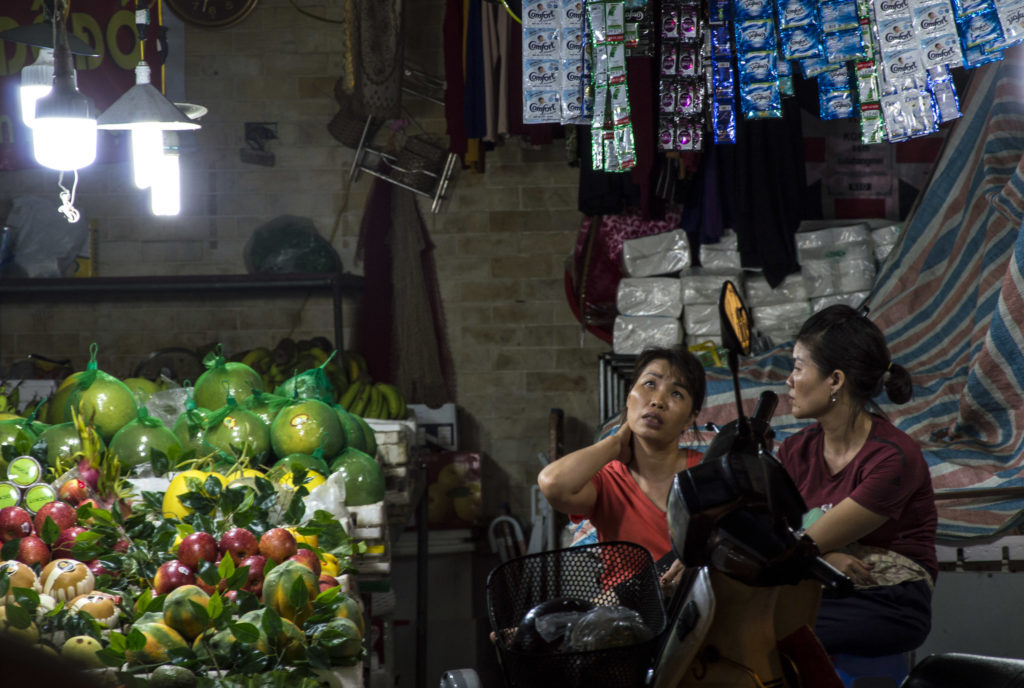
point(64, 134)
point(165, 187)
point(36, 82)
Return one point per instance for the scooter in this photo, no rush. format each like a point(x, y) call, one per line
point(743, 613)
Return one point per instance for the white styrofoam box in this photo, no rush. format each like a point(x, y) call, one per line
point(649, 296)
point(657, 254)
point(30, 390)
point(700, 285)
point(632, 334)
point(391, 431)
point(368, 515)
point(856, 269)
point(760, 293)
point(702, 319)
point(853, 300)
point(717, 259)
point(782, 317)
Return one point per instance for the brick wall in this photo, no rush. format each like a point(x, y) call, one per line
point(501, 241)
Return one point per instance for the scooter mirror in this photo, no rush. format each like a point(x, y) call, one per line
point(736, 323)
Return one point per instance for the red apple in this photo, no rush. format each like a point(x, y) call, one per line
point(32, 550)
point(277, 544)
point(326, 582)
point(15, 523)
point(229, 595)
point(62, 513)
point(66, 541)
point(74, 491)
point(256, 564)
point(122, 545)
point(172, 574)
point(307, 558)
point(196, 547)
point(239, 543)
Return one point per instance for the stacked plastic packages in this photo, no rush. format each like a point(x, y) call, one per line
point(701, 288)
point(778, 312)
point(837, 264)
point(649, 300)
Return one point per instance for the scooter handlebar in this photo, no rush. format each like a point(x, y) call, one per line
point(834, 580)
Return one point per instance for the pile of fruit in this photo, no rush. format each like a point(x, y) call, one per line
point(223, 571)
point(226, 588)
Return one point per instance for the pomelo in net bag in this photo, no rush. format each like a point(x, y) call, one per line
point(224, 378)
point(98, 397)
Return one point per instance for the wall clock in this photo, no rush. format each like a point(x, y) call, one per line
point(213, 14)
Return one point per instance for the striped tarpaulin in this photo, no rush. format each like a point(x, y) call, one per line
point(949, 299)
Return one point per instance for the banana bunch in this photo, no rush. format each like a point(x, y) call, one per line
point(374, 400)
point(289, 357)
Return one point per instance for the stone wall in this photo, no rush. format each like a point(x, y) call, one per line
point(501, 240)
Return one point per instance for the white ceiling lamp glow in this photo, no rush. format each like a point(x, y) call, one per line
point(64, 133)
point(36, 82)
point(152, 120)
point(165, 191)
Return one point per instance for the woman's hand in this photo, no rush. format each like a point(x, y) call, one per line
point(624, 435)
point(670, 579)
point(857, 570)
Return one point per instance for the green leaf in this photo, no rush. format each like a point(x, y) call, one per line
point(213, 487)
point(50, 531)
point(136, 640)
point(154, 501)
point(5, 582)
point(245, 632)
point(183, 530)
point(231, 498)
point(117, 641)
point(17, 616)
point(209, 571)
point(318, 657)
point(215, 606)
point(26, 598)
point(201, 614)
point(239, 578)
point(102, 515)
point(226, 567)
point(329, 595)
point(298, 594)
point(159, 461)
point(296, 507)
point(111, 657)
point(10, 550)
point(271, 624)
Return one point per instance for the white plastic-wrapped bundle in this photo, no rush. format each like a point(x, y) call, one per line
point(856, 269)
point(853, 300)
point(821, 278)
point(701, 319)
point(884, 240)
point(823, 243)
point(713, 258)
point(649, 296)
point(782, 318)
point(693, 340)
point(760, 293)
point(631, 334)
point(657, 254)
point(700, 285)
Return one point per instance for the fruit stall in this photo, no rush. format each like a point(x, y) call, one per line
point(215, 534)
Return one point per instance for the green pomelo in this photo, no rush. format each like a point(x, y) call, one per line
point(305, 426)
point(190, 429)
point(240, 431)
point(364, 479)
point(132, 443)
point(98, 398)
point(237, 379)
point(62, 441)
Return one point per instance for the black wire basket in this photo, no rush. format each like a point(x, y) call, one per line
point(605, 574)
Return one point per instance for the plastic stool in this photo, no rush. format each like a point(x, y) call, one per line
point(880, 670)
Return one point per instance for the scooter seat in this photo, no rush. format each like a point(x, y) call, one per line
point(959, 670)
point(855, 671)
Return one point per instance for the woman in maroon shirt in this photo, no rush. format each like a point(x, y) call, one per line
point(866, 483)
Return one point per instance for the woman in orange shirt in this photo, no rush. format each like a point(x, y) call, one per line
point(621, 483)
